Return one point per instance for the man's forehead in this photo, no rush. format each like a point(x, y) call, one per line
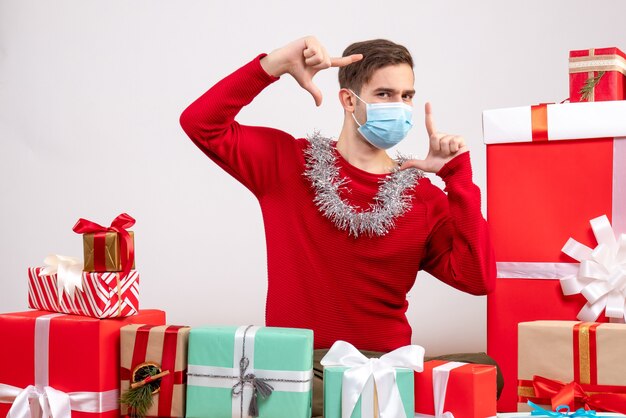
point(392, 77)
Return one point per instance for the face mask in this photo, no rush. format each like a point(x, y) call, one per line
point(387, 123)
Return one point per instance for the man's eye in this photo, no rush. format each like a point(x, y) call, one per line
point(383, 94)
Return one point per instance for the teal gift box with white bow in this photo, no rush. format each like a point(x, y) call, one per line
point(359, 387)
point(240, 372)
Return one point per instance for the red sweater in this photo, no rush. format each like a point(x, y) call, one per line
point(319, 277)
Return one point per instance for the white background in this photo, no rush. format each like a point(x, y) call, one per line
point(91, 92)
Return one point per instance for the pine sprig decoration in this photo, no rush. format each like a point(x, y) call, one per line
point(139, 398)
point(587, 90)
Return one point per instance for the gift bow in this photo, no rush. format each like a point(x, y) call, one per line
point(560, 411)
point(69, 271)
point(260, 387)
point(382, 370)
point(572, 394)
point(601, 276)
point(52, 403)
point(119, 225)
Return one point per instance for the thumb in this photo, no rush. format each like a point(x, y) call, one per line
point(419, 164)
point(314, 90)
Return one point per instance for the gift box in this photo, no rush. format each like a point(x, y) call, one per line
point(108, 248)
point(550, 170)
point(597, 75)
point(578, 364)
point(237, 371)
point(150, 350)
point(100, 295)
point(67, 363)
point(368, 402)
point(527, 414)
point(461, 389)
point(359, 387)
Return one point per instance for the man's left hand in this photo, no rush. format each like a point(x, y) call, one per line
point(443, 147)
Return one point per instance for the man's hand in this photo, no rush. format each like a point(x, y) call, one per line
point(302, 59)
point(443, 147)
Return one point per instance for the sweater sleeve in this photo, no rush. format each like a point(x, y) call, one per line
point(459, 250)
point(251, 154)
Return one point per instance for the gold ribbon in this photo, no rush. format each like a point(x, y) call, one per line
point(584, 357)
point(594, 62)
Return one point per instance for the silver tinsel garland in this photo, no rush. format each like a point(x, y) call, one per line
point(392, 200)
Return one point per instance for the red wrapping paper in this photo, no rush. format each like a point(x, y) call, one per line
point(539, 195)
point(83, 352)
point(103, 295)
point(471, 391)
point(611, 85)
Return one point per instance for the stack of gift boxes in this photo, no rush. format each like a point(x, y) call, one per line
point(87, 350)
point(556, 206)
point(556, 181)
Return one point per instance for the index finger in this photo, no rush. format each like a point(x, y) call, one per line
point(343, 61)
point(430, 124)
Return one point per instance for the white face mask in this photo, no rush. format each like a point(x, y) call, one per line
point(387, 123)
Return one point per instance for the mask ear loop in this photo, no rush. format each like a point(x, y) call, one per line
point(357, 96)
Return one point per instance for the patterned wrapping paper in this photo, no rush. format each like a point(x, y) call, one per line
point(103, 295)
point(44, 354)
point(580, 364)
point(606, 66)
point(229, 368)
point(165, 347)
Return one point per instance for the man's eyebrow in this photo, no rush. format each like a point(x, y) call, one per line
point(390, 90)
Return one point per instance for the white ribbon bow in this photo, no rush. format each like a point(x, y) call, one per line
point(382, 370)
point(601, 277)
point(47, 402)
point(69, 271)
point(51, 403)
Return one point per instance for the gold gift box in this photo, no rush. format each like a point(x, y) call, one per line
point(112, 253)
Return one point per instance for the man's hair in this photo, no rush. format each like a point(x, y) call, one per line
point(377, 53)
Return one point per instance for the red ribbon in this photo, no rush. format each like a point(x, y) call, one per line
point(168, 362)
point(119, 225)
point(539, 122)
point(573, 395)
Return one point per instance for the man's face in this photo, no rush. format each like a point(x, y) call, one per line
point(393, 83)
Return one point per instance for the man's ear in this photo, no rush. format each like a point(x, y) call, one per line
point(347, 100)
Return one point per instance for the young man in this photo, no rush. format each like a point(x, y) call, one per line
point(347, 227)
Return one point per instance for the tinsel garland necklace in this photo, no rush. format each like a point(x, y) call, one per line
point(392, 200)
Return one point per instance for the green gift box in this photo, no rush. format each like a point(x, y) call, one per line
point(333, 377)
point(233, 369)
point(359, 387)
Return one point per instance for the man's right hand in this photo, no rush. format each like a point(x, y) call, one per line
point(302, 59)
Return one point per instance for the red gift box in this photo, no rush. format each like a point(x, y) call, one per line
point(103, 295)
point(53, 357)
point(602, 69)
point(465, 390)
point(541, 192)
